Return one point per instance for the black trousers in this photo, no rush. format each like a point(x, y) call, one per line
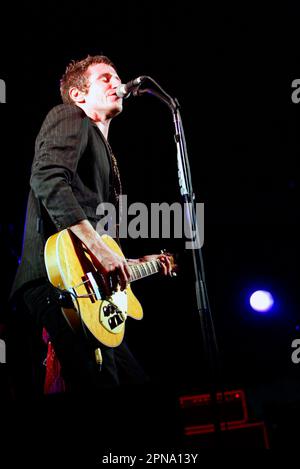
point(76, 351)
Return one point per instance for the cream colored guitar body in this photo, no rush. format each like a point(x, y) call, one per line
point(70, 267)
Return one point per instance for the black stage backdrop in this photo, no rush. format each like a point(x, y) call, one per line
point(231, 66)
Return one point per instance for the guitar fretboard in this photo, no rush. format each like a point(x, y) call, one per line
point(144, 269)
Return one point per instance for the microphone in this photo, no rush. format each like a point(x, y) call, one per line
point(124, 90)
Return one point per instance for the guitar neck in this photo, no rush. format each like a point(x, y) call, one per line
point(144, 269)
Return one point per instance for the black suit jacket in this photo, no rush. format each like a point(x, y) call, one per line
point(71, 174)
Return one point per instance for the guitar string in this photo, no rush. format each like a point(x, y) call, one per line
point(143, 266)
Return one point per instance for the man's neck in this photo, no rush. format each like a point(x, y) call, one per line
point(103, 127)
point(102, 122)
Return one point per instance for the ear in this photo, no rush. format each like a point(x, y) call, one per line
point(76, 95)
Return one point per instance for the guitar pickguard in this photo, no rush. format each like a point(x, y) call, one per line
point(113, 312)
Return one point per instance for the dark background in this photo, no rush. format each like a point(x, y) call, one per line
point(231, 67)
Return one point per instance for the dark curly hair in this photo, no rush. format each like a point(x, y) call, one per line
point(75, 75)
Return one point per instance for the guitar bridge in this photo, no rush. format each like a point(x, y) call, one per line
point(94, 285)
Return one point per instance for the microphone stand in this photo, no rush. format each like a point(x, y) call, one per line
point(210, 345)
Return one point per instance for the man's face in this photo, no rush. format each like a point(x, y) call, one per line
point(101, 96)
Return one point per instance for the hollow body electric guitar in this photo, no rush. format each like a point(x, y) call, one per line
point(71, 269)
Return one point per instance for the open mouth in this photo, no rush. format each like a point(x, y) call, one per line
point(113, 96)
point(111, 93)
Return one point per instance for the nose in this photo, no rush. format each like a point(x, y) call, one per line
point(115, 81)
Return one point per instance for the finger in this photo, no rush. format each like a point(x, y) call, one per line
point(123, 278)
point(107, 284)
point(114, 280)
point(107, 279)
point(127, 271)
point(163, 266)
point(109, 268)
point(168, 266)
